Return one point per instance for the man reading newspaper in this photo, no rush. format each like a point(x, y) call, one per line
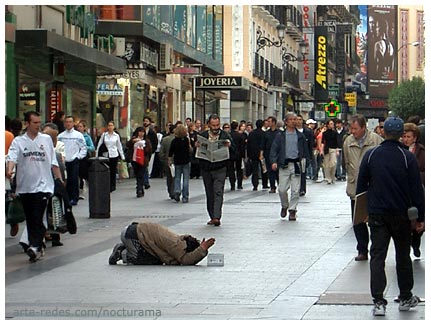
point(214, 148)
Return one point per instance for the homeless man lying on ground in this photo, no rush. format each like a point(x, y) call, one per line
point(154, 244)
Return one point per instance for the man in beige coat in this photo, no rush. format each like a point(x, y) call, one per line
point(354, 147)
point(154, 244)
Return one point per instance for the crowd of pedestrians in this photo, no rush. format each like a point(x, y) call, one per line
point(278, 156)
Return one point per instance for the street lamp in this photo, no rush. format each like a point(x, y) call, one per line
point(289, 57)
point(263, 41)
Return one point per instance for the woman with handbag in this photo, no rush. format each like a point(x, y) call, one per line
point(109, 146)
point(139, 152)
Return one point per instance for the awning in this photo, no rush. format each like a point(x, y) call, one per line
point(41, 47)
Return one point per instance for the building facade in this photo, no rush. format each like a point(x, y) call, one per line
point(51, 64)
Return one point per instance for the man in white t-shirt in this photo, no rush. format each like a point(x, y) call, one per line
point(32, 157)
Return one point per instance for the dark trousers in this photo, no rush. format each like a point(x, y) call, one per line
point(195, 169)
point(256, 170)
point(72, 185)
point(303, 187)
point(169, 180)
point(113, 162)
point(34, 205)
point(214, 190)
point(156, 172)
point(383, 228)
point(235, 173)
point(361, 234)
point(271, 174)
point(138, 170)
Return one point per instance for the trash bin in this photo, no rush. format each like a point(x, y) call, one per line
point(99, 200)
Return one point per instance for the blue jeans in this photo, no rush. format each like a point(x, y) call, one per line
point(183, 170)
point(339, 171)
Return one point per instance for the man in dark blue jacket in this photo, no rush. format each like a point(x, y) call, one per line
point(287, 152)
point(390, 175)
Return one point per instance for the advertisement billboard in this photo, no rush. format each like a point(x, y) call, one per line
point(321, 64)
point(382, 49)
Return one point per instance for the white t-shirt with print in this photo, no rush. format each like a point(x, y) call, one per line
point(33, 159)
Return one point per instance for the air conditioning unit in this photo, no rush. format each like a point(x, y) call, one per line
point(165, 55)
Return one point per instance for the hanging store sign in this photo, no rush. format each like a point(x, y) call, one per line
point(221, 82)
point(321, 64)
point(109, 89)
point(54, 102)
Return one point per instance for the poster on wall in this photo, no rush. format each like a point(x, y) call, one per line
point(382, 50)
point(201, 17)
point(362, 47)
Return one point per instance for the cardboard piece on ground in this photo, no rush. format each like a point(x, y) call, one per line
point(360, 211)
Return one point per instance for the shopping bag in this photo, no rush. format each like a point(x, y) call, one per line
point(15, 212)
point(123, 172)
point(140, 156)
point(57, 222)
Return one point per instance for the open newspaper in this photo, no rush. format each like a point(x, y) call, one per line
point(212, 151)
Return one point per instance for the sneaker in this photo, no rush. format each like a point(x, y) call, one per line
point(34, 254)
point(405, 305)
point(116, 254)
point(379, 309)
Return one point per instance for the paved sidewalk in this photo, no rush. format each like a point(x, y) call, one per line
point(273, 269)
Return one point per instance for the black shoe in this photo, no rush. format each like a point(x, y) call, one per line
point(140, 194)
point(361, 257)
point(56, 243)
point(254, 189)
point(24, 246)
point(302, 193)
point(416, 252)
point(147, 186)
point(239, 188)
point(177, 198)
point(116, 254)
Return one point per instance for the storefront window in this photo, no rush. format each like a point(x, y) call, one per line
point(81, 105)
point(112, 105)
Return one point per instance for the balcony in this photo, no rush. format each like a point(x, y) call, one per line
point(293, 23)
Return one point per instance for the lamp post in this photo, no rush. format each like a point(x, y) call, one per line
point(263, 41)
point(289, 57)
